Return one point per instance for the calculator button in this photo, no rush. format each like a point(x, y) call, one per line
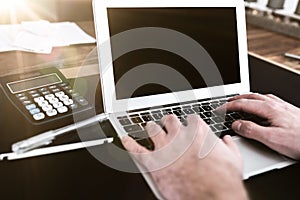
point(30, 106)
point(58, 104)
point(82, 101)
point(47, 108)
point(51, 113)
point(54, 100)
point(62, 109)
point(53, 87)
point(49, 96)
point(43, 103)
point(64, 98)
point(63, 84)
point(35, 95)
point(23, 98)
point(39, 99)
point(68, 102)
point(46, 93)
point(35, 111)
point(39, 116)
point(32, 92)
point(43, 89)
point(56, 90)
point(20, 95)
point(27, 102)
point(73, 106)
point(59, 94)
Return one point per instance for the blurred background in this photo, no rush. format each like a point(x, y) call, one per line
point(15, 11)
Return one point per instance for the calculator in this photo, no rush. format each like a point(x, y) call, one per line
point(44, 95)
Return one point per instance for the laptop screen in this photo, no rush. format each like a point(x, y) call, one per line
point(215, 29)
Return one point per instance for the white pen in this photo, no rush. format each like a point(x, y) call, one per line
point(290, 55)
point(47, 137)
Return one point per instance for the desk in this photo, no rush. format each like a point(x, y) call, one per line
point(78, 175)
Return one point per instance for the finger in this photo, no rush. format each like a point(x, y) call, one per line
point(132, 146)
point(171, 124)
point(256, 107)
point(157, 135)
point(253, 131)
point(249, 96)
point(196, 128)
point(227, 139)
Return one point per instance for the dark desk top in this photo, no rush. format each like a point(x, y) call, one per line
point(78, 175)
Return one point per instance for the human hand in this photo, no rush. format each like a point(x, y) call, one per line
point(206, 168)
point(283, 133)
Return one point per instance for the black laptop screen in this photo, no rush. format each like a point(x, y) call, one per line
point(215, 29)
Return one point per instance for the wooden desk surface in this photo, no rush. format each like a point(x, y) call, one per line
point(264, 44)
point(271, 46)
point(62, 57)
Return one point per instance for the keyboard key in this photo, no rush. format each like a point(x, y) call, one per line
point(68, 102)
point(213, 128)
point(208, 121)
point(178, 112)
point(220, 127)
point(218, 119)
point(208, 114)
point(198, 109)
point(132, 128)
point(136, 120)
point(49, 96)
point(214, 106)
point(124, 121)
point(207, 108)
point(202, 116)
point(147, 118)
point(228, 124)
point(188, 111)
point(157, 116)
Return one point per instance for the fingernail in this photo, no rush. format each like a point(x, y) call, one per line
point(238, 125)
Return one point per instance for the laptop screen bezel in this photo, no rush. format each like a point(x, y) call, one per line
point(112, 104)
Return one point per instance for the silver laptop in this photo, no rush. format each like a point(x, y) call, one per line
point(176, 57)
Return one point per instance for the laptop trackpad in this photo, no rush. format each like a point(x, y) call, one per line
point(259, 158)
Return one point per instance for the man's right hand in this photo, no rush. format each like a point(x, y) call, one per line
point(283, 133)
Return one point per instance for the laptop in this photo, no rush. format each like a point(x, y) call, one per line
point(176, 57)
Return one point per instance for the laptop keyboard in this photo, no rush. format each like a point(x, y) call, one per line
point(134, 123)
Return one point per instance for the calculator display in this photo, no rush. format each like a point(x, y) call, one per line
point(33, 83)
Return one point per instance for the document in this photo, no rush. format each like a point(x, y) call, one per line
point(41, 36)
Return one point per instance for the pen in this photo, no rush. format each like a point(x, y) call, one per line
point(294, 56)
point(55, 149)
point(47, 137)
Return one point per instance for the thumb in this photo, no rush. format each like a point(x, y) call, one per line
point(251, 130)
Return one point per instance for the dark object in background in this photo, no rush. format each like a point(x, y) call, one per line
point(297, 11)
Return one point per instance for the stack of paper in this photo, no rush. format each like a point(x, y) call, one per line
point(41, 36)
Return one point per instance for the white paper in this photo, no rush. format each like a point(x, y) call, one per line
point(41, 36)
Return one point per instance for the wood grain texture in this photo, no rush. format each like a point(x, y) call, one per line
point(271, 46)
